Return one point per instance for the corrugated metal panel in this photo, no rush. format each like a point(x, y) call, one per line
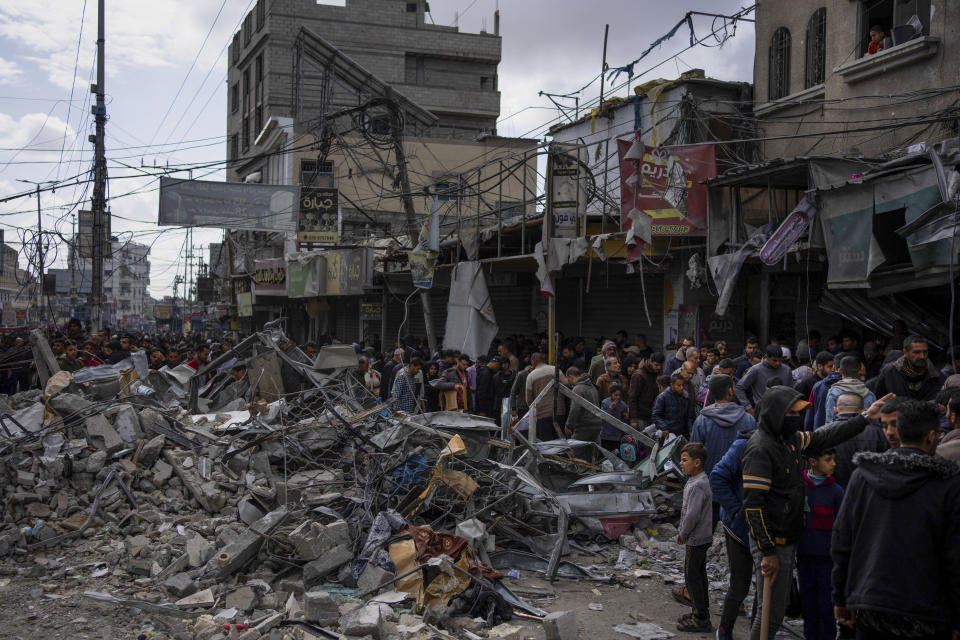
point(612, 304)
point(512, 305)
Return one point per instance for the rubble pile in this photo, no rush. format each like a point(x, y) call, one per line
point(293, 503)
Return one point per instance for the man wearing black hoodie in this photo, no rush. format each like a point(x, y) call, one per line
point(899, 577)
point(773, 492)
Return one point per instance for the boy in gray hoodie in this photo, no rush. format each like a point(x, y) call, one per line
point(696, 533)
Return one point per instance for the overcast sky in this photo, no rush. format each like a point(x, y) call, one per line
point(167, 89)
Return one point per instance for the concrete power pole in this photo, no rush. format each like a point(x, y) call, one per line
point(99, 180)
point(411, 218)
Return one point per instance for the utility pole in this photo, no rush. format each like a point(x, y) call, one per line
point(99, 179)
point(73, 258)
point(411, 219)
point(40, 251)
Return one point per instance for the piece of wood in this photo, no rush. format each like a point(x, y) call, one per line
point(449, 400)
point(765, 608)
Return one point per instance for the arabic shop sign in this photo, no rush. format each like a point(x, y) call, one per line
point(319, 215)
point(270, 277)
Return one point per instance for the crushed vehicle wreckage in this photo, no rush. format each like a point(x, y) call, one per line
point(295, 499)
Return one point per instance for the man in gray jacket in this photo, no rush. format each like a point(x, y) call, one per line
point(581, 424)
point(753, 384)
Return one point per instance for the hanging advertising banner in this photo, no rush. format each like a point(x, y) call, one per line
point(666, 185)
point(423, 258)
point(228, 205)
point(319, 216)
point(270, 277)
point(245, 305)
point(306, 277)
point(568, 194)
point(349, 271)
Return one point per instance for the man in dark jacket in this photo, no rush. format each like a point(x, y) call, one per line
point(518, 398)
point(718, 424)
point(912, 375)
point(582, 424)
point(899, 577)
point(672, 410)
point(486, 388)
point(753, 384)
point(390, 370)
point(726, 484)
point(870, 439)
point(773, 493)
point(822, 367)
point(642, 393)
point(456, 379)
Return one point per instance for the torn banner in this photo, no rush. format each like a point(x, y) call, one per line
point(666, 185)
point(423, 258)
point(471, 324)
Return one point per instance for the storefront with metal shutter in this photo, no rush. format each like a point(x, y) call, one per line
point(614, 301)
point(514, 297)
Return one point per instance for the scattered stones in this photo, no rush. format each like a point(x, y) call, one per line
point(561, 625)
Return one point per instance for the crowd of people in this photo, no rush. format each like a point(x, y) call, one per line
point(831, 468)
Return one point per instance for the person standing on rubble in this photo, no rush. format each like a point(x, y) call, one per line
point(542, 375)
point(672, 410)
point(69, 361)
point(407, 393)
point(899, 577)
point(390, 369)
point(486, 388)
point(518, 393)
point(456, 379)
point(642, 393)
point(502, 384)
point(581, 423)
point(773, 492)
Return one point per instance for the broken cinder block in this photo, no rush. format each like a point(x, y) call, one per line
point(312, 539)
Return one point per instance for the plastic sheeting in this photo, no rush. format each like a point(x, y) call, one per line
point(471, 324)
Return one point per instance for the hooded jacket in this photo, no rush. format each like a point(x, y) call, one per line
point(673, 412)
point(753, 384)
point(892, 379)
point(816, 414)
point(643, 393)
point(846, 385)
point(717, 427)
point(949, 447)
point(583, 424)
point(773, 464)
point(726, 483)
point(907, 561)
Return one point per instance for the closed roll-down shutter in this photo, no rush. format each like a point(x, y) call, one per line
point(612, 304)
point(415, 324)
point(513, 307)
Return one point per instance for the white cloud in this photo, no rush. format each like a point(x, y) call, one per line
point(10, 71)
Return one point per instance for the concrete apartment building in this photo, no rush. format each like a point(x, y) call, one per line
point(812, 74)
point(278, 95)
point(126, 278)
point(858, 149)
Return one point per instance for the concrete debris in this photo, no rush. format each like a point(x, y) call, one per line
point(318, 506)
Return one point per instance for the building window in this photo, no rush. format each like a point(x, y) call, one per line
point(779, 64)
point(247, 29)
point(245, 131)
point(234, 146)
point(258, 94)
point(261, 13)
point(411, 7)
point(816, 48)
point(235, 97)
point(901, 20)
point(235, 47)
point(316, 174)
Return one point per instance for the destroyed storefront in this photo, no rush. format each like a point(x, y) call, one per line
point(215, 495)
point(823, 243)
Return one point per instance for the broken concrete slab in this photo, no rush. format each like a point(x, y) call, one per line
point(317, 570)
point(372, 577)
point(151, 451)
point(102, 434)
point(366, 621)
point(239, 552)
point(203, 598)
point(561, 625)
point(313, 539)
point(199, 551)
point(242, 599)
point(161, 473)
point(319, 607)
point(127, 423)
point(180, 585)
